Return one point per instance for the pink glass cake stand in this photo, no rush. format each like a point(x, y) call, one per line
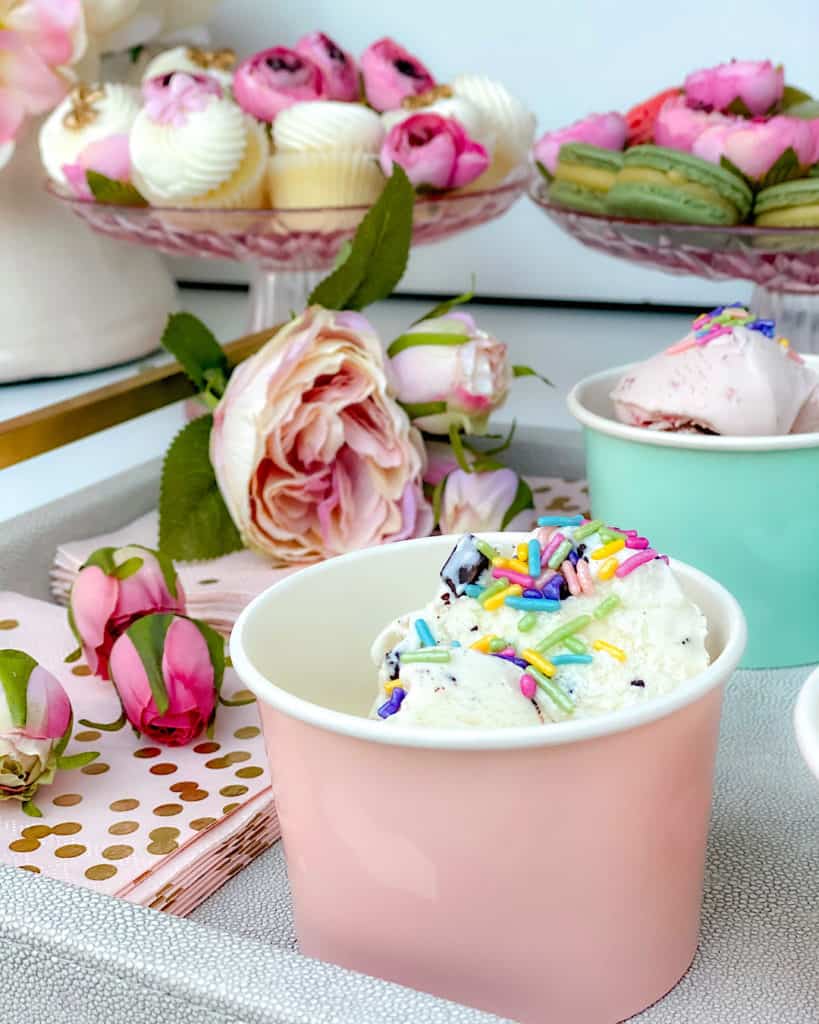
point(782, 263)
point(288, 250)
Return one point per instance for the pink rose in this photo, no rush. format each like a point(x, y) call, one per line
point(435, 152)
point(170, 98)
point(446, 371)
point(110, 157)
point(605, 130)
point(755, 146)
point(338, 67)
point(475, 502)
point(312, 454)
point(756, 84)
point(390, 73)
point(277, 78)
point(175, 705)
point(115, 587)
point(678, 126)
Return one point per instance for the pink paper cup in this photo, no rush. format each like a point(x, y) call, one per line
point(542, 873)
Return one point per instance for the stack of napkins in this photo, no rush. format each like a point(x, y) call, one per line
point(160, 826)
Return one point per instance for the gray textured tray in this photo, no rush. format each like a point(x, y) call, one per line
point(70, 954)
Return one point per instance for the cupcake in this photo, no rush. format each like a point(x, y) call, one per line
point(89, 131)
point(219, 63)
point(192, 146)
point(512, 123)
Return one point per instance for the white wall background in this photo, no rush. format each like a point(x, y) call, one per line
point(565, 58)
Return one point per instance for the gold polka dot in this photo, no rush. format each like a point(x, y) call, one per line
point(234, 790)
point(95, 768)
point(99, 872)
point(193, 795)
point(167, 810)
point(88, 736)
point(228, 808)
point(242, 695)
point(251, 772)
point(30, 867)
point(9, 623)
point(67, 828)
point(147, 752)
point(166, 832)
point(67, 800)
point(128, 804)
point(164, 768)
point(81, 670)
point(180, 787)
point(206, 748)
point(123, 828)
point(247, 732)
point(217, 762)
point(24, 845)
point(163, 840)
point(69, 850)
point(238, 756)
point(37, 831)
point(208, 582)
point(117, 852)
point(199, 823)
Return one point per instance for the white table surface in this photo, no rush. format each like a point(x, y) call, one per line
point(563, 344)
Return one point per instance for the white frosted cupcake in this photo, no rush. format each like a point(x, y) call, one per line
point(442, 100)
point(325, 154)
point(89, 118)
point(512, 123)
point(219, 63)
point(192, 146)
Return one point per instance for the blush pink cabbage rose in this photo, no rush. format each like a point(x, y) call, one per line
point(390, 73)
point(338, 67)
point(755, 146)
point(756, 84)
point(678, 126)
point(114, 588)
point(313, 455)
point(434, 151)
point(474, 502)
point(446, 371)
point(111, 157)
point(191, 658)
point(605, 130)
point(274, 79)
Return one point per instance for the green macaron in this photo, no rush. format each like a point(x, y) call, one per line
point(667, 185)
point(583, 176)
point(791, 204)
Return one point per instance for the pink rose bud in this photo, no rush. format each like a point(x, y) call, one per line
point(170, 98)
point(115, 587)
point(338, 67)
point(391, 73)
point(754, 146)
point(35, 726)
point(755, 85)
point(678, 126)
point(605, 130)
point(275, 79)
point(110, 156)
point(435, 152)
point(475, 502)
point(174, 705)
point(446, 371)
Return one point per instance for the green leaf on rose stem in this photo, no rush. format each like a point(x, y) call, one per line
point(102, 558)
point(62, 742)
point(727, 165)
point(738, 108)
point(448, 305)
point(785, 168)
point(545, 172)
point(77, 760)
point(343, 253)
point(194, 522)
point(216, 650)
point(105, 726)
point(75, 655)
point(487, 465)
point(379, 252)
point(15, 670)
point(413, 339)
point(113, 193)
point(148, 637)
point(792, 96)
point(437, 499)
point(135, 52)
point(523, 499)
point(130, 567)
point(456, 442)
point(415, 410)
point(199, 353)
point(519, 370)
point(31, 809)
point(502, 447)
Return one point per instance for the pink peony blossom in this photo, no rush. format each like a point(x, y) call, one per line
point(312, 454)
point(391, 73)
point(605, 130)
point(755, 146)
point(435, 152)
point(170, 98)
point(678, 126)
point(757, 84)
point(475, 502)
point(110, 157)
point(277, 78)
point(338, 67)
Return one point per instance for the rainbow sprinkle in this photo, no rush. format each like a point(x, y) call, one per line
point(424, 633)
point(612, 649)
point(721, 321)
point(423, 654)
point(560, 520)
point(534, 557)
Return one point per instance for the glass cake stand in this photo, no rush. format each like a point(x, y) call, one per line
point(288, 250)
point(782, 263)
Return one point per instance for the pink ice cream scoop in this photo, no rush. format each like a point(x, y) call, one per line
point(740, 382)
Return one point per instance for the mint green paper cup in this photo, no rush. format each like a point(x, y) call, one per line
point(742, 509)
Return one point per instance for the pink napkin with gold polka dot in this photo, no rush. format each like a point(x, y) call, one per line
point(160, 826)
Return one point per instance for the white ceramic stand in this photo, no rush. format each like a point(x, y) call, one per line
point(70, 300)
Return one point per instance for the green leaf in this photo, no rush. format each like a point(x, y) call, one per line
point(487, 465)
point(135, 52)
point(379, 252)
point(415, 410)
point(738, 108)
point(113, 193)
point(130, 567)
point(62, 743)
point(216, 650)
point(15, 670)
point(31, 809)
point(75, 655)
point(343, 253)
point(456, 441)
point(148, 637)
point(194, 522)
point(545, 172)
point(526, 371)
point(413, 339)
point(77, 760)
point(198, 352)
point(502, 447)
point(725, 163)
point(785, 168)
point(791, 96)
point(102, 558)
point(105, 726)
point(448, 305)
point(523, 499)
point(437, 499)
